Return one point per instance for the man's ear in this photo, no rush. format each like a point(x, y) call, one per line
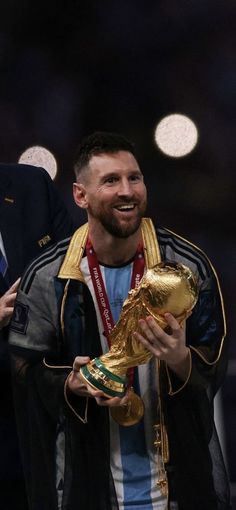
point(79, 194)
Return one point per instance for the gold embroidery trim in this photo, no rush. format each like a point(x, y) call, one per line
point(56, 366)
point(85, 419)
point(221, 300)
point(171, 392)
point(71, 265)
point(63, 307)
point(161, 442)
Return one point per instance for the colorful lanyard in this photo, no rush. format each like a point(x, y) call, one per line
point(100, 291)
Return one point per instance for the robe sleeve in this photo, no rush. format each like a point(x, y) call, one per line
point(205, 337)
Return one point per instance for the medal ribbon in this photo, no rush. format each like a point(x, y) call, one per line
point(100, 291)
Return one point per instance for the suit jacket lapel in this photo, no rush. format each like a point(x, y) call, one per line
point(10, 223)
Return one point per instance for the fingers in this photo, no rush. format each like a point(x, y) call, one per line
point(155, 348)
point(13, 288)
point(110, 402)
point(152, 331)
point(8, 311)
point(78, 385)
point(79, 361)
point(165, 344)
point(172, 322)
point(81, 384)
point(6, 308)
point(102, 399)
point(76, 382)
point(9, 299)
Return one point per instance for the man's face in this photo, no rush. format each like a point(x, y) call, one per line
point(115, 194)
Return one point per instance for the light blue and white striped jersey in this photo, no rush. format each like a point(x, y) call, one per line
point(132, 451)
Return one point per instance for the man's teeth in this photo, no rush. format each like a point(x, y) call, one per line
point(125, 207)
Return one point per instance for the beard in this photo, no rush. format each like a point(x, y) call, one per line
point(115, 227)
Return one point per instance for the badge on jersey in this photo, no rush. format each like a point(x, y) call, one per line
point(45, 240)
point(20, 318)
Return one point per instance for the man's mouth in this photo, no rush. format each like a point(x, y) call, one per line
point(125, 207)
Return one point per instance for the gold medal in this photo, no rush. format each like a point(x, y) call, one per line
point(129, 413)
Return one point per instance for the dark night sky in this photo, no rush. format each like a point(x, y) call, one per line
point(69, 68)
point(73, 67)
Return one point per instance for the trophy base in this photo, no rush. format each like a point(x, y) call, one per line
point(99, 377)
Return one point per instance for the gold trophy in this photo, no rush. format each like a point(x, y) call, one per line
point(167, 287)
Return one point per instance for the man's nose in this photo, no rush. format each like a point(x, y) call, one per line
point(125, 188)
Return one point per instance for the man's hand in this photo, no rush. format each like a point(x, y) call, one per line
point(170, 347)
point(7, 304)
point(77, 385)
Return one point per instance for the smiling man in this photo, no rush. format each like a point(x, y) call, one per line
point(112, 190)
point(88, 456)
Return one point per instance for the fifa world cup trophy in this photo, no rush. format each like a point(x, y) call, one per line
point(167, 287)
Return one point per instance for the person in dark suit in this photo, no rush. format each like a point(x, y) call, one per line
point(32, 218)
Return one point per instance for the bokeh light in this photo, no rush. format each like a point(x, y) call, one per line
point(176, 135)
point(39, 156)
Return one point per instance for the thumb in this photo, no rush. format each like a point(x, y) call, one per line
point(79, 362)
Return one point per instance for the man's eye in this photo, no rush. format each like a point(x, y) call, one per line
point(110, 180)
point(135, 177)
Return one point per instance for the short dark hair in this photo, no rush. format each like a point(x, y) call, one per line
point(98, 143)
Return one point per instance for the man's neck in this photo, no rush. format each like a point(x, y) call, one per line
point(114, 251)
